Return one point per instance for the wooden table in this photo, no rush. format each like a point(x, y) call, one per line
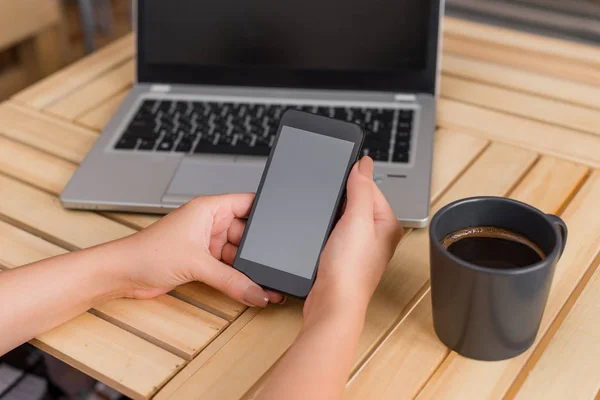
point(519, 116)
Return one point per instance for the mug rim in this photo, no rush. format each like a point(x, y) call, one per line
point(506, 271)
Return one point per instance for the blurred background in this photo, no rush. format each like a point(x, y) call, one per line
point(38, 37)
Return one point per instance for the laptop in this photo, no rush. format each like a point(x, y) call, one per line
point(214, 78)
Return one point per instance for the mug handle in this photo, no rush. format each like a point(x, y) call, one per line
point(562, 227)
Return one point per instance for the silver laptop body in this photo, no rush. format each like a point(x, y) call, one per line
point(154, 181)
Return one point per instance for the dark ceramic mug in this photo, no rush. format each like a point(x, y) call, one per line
point(486, 313)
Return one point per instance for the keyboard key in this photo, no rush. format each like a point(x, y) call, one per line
point(184, 146)
point(126, 143)
point(146, 144)
point(238, 128)
point(165, 145)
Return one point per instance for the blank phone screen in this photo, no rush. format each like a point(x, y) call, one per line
point(297, 201)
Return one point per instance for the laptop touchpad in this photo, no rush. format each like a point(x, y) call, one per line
point(205, 176)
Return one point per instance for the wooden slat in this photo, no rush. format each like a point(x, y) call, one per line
point(530, 61)
point(404, 360)
point(165, 321)
point(209, 299)
point(174, 325)
point(95, 92)
point(112, 355)
point(525, 42)
point(459, 377)
point(19, 247)
point(545, 138)
point(400, 284)
point(136, 221)
point(248, 355)
point(453, 152)
point(519, 80)
point(22, 19)
point(116, 357)
point(411, 353)
point(550, 184)
point(33, 166)
point(216, 345)
point(573, 346)
point(98, 117)
point(525, 105)
point(51, 174)
point(60, 84)
point(48, 134)
point(42, 213)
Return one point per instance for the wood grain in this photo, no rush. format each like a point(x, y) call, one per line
point(249, 354)
point(453, 153)
point(215, 346)
point(522, 81)
point(534, 107)
point(115, 357)
point(51, 174)
point(551, 184)
point(524, 42)
point(165, 321)
point(33, 166)
point(170, 323)
point(45, 133)
point(97, 117)
point(575, 344)
point(101, 350)
point(94, 93)
point(541, 137)
point(67, 80)
point(19, 247)
point(405, 360)
point(459, 377)
point(135, 221)
point(43, 214)
point(529, 61)
point(401, 281)
point(209, 299)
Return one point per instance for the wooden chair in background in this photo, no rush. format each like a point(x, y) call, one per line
point(32, 40)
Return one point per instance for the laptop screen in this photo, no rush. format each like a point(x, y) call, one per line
point(287, 42)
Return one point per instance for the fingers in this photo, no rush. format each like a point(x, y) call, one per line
point(228, 253)
point(233, 283)
point(235, 231)
point(228, 256)
point(359, 194)
point(276, 297)
point(240, 203)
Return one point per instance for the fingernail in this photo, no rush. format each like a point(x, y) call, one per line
point(256, 296)
point(283, 300)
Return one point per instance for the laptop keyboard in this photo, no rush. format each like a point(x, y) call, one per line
point(249, 129)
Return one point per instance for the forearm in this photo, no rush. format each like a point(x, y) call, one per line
point(40, 296)
point(319, 362)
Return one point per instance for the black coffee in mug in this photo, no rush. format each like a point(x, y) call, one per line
point(492, 247)
point(492, 260)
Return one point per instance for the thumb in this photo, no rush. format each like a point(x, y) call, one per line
point(233, 283)
point(359, 194)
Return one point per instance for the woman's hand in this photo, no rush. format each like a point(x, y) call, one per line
point(358, 250)
point(196, 242)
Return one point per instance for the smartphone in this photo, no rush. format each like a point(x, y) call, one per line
point(298, 201)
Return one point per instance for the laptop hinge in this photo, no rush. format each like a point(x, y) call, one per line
point(404, 97)
point(160, 88)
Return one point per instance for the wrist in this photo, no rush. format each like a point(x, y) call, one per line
point(112, 273)
point(327, 303)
